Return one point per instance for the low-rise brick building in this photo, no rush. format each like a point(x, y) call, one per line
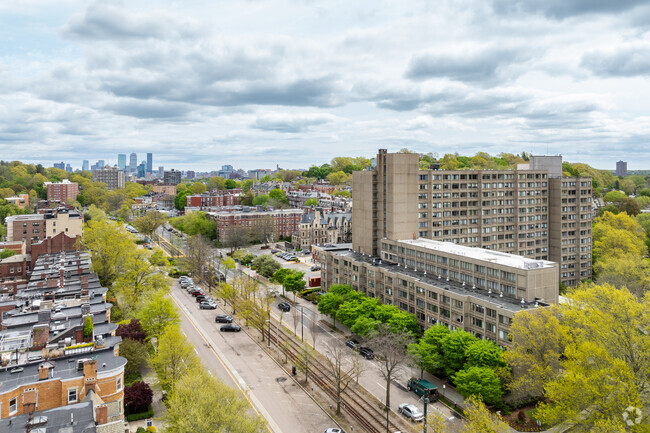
point(283, 222)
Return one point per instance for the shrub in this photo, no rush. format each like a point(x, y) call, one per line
point(142, 415)
point(138, 397)
point(132, 330)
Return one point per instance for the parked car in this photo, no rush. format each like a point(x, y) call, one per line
point(410, 411)
point(366, 352)
point(353, 344)
point(284, 306)
point(223, 318)
point(184, 278)
point(334, 430)
point(206, 305)
point(230, 327)
point(201, 298)
point(197, 292)
point(315, 268)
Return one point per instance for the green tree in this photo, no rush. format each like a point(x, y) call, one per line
point(478, 419)
point(260, 200)
point(137, 280)
point(481, 382)
point(88, 327)
point(364, 326)
point(111, 248)
point(230, 184)
point(202, 403)
point(329, 304)
point(136, 355)
point(311, 202)
point(197, 188)
point(149, 223)
point(294, 282)
point(265, 265)
point(454, 348)
point(175, 357)
point(158, 314)
point(180, 200)
point(278, 194)
point(484, 353)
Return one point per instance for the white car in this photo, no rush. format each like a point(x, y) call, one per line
point(410, 411)
point(334, 430)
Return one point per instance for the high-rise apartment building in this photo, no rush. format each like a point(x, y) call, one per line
point(59, 165)
point(149, 162)
point(64, 191)
point(621, 168)
point(133, 162)
point(111, 176)
point(142, 169)
point(531, 211)
point(85, 165)
point(121, 161)
point(172, 177)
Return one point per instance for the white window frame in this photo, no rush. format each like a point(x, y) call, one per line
point(118, 384)
point(76, 395)
point(15, 405)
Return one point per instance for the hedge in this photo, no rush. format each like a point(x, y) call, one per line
point(141, 415)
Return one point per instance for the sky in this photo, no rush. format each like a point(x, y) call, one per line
point(294, 83)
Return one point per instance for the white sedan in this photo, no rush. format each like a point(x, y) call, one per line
point(410, 411)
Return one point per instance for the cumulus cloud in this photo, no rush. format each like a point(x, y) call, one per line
point(290, 123)
point(464, 63)
point(626, 61)
point(562, 8)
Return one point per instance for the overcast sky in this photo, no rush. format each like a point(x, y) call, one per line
point(297, 82)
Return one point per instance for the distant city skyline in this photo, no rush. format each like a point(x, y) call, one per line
point(295, 83)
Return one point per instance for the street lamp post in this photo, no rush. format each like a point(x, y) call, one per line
point(426, 401)
point(443, 390)
point(302, 323)
point(387, 412)
point(269, 332)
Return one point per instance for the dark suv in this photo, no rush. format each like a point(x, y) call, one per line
point(283, 306)
point(366, 353)
point(223, 318)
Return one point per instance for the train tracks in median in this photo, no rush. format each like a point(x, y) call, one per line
point(364, 409)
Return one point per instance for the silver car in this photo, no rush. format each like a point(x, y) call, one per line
point(410, 411)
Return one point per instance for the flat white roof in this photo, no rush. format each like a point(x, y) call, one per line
point(491, 256)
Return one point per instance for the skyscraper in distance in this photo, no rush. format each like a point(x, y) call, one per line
point(149, 162)
point(121, 161)
point(133, 162)
point(85, 165)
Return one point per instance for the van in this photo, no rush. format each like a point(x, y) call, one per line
point(422, 387)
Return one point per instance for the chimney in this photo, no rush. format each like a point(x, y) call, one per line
point(90, 374)
point(51, 283)
point(85, 309)
point(43, 372)
point(44, 316)
point(101, 414)
point(84, 281)
point(43, 276)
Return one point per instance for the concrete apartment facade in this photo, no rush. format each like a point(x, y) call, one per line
point(460, 287)
point(63, 191)
point(172, 177)
point(530, 211)
point(111, 176)
point(34, 228)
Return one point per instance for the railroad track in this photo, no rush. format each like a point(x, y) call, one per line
point(367, 414)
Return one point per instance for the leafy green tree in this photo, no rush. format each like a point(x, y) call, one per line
point(111, 248)
point(480, 382)
point(88, 327)
point(404, 322)
point(174, 358)
point(329, 304)
point(311, 202)
point(180, 200)
point(278, 194)
point(260, 200)
point(478, 419)
point(137, 280)
point(265, 265)
point(484, 353)
point(364, 325)
point(136, 355)
point(230, 184)
point(149, 223)
point(158, 314)
point(614, 197)
point(294, 282)
point(454, 348)
point(197, 188)
point(202, 403)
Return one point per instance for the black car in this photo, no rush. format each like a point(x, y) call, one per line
point(283, 306)
point(223, 318)
point(366, 353)
point(315, 268)
point(205, 305)
point(201, 298)
point(230, 327)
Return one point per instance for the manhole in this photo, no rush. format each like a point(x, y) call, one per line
point(280, 379)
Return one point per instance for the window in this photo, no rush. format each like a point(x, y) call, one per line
point(13, 405)
point(118, 385)
point(72, 395)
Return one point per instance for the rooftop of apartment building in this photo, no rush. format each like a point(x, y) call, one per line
point(73, 418)
point(326, 217)
point(63, 367)
point(257, 210)
point(504, 302)
point(491, 256)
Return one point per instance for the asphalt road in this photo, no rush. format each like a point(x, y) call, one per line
point(236, 358)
